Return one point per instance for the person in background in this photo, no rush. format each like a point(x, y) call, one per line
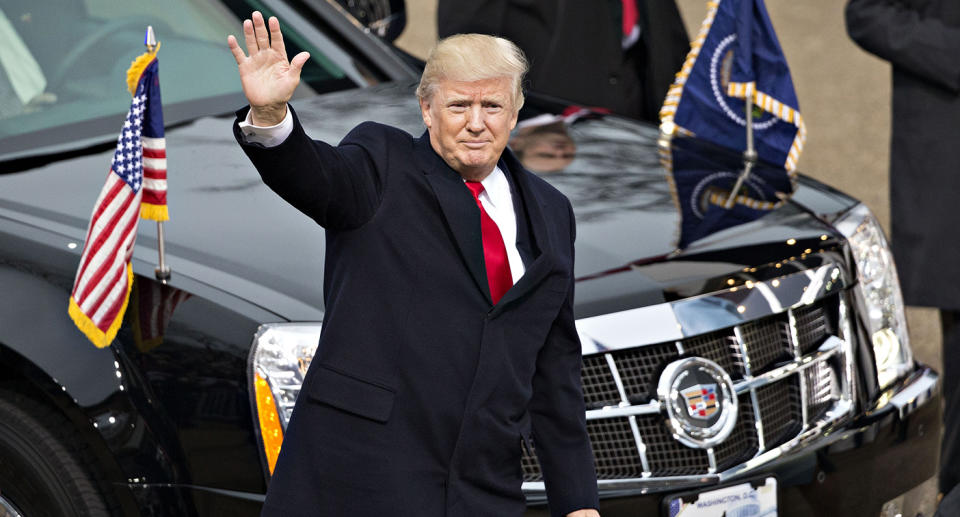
point(616, 54)
point(921, 39)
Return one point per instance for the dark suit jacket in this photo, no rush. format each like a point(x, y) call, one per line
point(921, 39)
point(575, 51)
point(421, 389)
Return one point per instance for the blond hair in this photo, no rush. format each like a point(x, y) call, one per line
point(474, 57)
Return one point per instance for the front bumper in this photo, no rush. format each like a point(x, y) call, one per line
point(849, 471)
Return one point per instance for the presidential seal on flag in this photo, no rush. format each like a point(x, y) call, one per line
point(736, 57)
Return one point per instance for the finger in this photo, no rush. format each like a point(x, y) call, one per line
point(299, 60)
point(235, 49)
point(249, 38)
point(276, 37)
point(263, 40)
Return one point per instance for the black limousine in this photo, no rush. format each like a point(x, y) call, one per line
point(765, 366)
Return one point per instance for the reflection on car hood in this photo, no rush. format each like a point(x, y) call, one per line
point(228, 229)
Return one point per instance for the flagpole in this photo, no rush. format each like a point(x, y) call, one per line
point(749, 155)
point(162, 271)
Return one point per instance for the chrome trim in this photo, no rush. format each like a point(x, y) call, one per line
point(685, 430)
point(738, 338)
point(831, 347)
point(624, 401)
point(915, 394)
point(795, 344)
point(651, 408)
point(837, 349)
point(673, 321)
point(757, 422)
point(806, 438)
point(680, 347)
point(712, 461)
point(747, 376)
point(828, 349)
point(849, 388)
point(641, 447)
point(813, 437)
point(8, 509)
point(645, 485)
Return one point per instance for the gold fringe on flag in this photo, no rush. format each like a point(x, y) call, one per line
point(154, 212)
point(137, 66)
point(99, 338)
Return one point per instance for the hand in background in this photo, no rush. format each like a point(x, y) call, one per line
point(584, 513)
point(268, 79)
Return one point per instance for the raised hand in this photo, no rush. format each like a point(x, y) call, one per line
point(268, 79)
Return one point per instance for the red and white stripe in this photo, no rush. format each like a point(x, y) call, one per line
point(100, 287)
point(154, 171)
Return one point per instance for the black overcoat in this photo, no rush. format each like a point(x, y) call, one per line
point(575, 47)
point(921, 39)
point(421, 390)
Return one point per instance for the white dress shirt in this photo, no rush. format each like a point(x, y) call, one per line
point(496, 197)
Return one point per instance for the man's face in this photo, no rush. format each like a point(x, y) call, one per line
point(547, 148)
point(470, 123)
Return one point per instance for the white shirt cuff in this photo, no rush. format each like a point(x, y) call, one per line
point(267, 136)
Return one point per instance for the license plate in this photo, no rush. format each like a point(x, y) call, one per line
point(752, 499)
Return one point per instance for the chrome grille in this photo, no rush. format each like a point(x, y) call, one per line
point(667, 456)
point(812, 327)
point(768, 341)
point(599, 388)
point(780, 410)
point(638, 370)
point(630, 436)
point(743, 444)
point(720, 347)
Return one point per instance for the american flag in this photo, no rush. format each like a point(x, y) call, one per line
point(136, 185)
point(152, 309)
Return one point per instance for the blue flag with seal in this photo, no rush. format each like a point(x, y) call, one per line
point(736, 54)
point(702, 183)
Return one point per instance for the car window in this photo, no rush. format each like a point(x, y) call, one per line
point(63, 65)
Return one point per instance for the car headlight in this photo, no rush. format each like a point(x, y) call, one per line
point(279, 359)
point(878, 291)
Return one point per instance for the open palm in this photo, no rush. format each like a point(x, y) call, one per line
point(267, 77)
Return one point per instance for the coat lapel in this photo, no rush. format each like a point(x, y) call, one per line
point(459, 209)
point(463, 218)
point(541, 236)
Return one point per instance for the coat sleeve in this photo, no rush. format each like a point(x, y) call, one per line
point(896, 30)
point(339, 187)
point(558, 416)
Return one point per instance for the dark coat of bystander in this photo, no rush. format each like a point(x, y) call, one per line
point(921, 39)
point(575, 50)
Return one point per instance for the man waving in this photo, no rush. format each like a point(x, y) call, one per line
point(448, 335)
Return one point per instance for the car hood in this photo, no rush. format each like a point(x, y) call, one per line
point(229, 230)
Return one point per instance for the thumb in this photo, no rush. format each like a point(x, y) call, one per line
point(298, 61)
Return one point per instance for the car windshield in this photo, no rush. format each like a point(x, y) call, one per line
point(63, 66)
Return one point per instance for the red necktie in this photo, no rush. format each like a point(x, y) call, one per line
point(494, 251)
point(629, 16)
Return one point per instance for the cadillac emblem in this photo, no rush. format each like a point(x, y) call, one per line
point(700, 401)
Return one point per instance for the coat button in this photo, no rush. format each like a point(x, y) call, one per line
point(613, 79)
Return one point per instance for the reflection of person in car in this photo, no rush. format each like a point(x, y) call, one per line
point(544, 147)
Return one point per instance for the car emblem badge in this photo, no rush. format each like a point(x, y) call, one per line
point(700, 401)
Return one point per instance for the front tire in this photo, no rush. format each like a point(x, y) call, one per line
point(39, 470)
